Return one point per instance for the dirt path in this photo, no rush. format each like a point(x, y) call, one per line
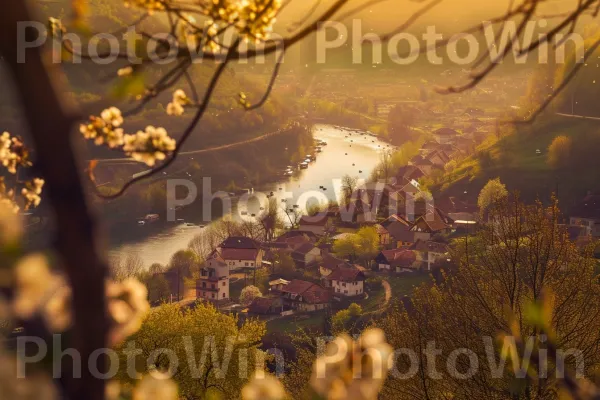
point(388, 293)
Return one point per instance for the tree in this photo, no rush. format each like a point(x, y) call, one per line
point(270, 219)
point(284, 265)
point(183, 266)
point(249, 293)
point(349, 185)
point(50, 121)
point(207, 337)
point(131, 266)
point(355, 310)
point(493, 192)
point(521, 259)
point(385, 168)
point(344, 320)
point(559, 152)
point(360, 246)
point(158, 288)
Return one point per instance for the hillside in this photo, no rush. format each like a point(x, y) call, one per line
point(514, 159)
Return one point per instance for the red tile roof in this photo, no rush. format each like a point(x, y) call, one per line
point(310, 292)
point(239, 254)
point(240, 242)
point(345, 274)
point(398, 257)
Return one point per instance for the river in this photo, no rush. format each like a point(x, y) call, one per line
point(347, 152)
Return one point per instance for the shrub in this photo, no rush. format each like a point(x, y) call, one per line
point(559, 152)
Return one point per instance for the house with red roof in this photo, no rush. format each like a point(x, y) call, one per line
point(428, 225)
point(347, 281)
point(428, 252)
point(445, 135)
point(396, 260)
point(587, 213)
point(241, 252)
point(305, 296)
point(213, 284)
point(318, 224)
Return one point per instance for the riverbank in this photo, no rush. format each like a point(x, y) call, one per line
point(347, 152)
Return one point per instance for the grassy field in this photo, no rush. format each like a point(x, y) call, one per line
point(401, 285)
point(314, 320)
point(514, 160)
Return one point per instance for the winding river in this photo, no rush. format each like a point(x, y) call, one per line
point(347, 152)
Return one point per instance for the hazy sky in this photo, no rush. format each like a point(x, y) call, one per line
point(449, 14)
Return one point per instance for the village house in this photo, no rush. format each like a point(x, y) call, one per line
point(383, 234)
point(445, 135)
point(213, 284)
point(241, 252)
point(261, 306)
point(329, 263)
point(587, 213)
point(465, 145)
point(433, 222)
point(305, 296)
point(423, 164)
point(399, 230)
point(404, 186)
point(396, 260)
point(428, 252)
point(410, 172)
point(347, 281)
point(305, 254)
point(317, 224)
point(429, 146)
point(277, 285)
point(438, 158)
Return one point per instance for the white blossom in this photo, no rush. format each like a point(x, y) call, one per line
point(180, 99)
point(127, 306)
point(155, 386)
point(353, 370)
point(32, 191)
point(105, 129)
point(149, 145)
point(11, 227)
point(174, 109)
point(263, 387)
point(38, 290)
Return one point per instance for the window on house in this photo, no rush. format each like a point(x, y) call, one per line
point(343, 284)
point(204, 284)
point(246, 264)
point(345, 292)
point(213, 295)
point(212, 286)
point(223, 295)
point(223, 284)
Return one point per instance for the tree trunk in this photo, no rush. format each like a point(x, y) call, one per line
point(50, 125)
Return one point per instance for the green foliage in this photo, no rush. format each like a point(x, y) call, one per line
point(249, 293)
point(205, 339)
point(284, 265)
point(158, 289)
point(519, 279)
point(355, 310)
point(559, 152)
point(360, 246)
point(493, 192)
